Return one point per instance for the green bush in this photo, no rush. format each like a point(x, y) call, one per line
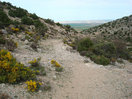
point(8, 7)
point(122, 51)
point(38, 24)
point(27, 21)
point(84, 44)
point(100, 60)
point(18, 12)
point(16, 23)
point(59, 24)
point(6, 3)
point(130, 49)
point(34, 16)
point(89, 54)
point(102, 52)
point(40, 27)
point(67, 27)
point(11, 13)
point(59, 69)
point(107, 49)
point(116, 49)
point(42, 30)
point(49, 21)
point(129, 39)
point(2, 40)
point(4, 20)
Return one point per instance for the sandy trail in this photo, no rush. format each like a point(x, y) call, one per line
point(87, 80)
point(79, 80)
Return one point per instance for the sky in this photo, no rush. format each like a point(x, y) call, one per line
point(71, 10)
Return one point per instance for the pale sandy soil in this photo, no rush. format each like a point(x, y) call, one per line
point(79, 80)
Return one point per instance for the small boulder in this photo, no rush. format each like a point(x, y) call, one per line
point(26, 42)
point(3, 31)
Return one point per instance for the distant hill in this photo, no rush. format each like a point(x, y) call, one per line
point(118, 29)
point(84, 24)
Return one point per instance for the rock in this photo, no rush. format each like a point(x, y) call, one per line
point(4, 31)
point(21, 36)
point(26, 47)
point(54, 77)
point(26, 42)
point(3, 85)
point(86, 61)
point(119, 65)
point(69, 49)
point(40, 91)
point(39, 50)
point(32, 27)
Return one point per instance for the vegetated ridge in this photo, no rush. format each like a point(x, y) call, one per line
point(14, 17)
point(118, 29)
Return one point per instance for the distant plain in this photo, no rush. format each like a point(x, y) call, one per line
point(82, 25)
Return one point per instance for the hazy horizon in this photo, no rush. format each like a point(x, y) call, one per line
point(84, 21)
point(76, 10)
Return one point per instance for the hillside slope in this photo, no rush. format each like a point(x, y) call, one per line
point(118, 29)
point(26, 22)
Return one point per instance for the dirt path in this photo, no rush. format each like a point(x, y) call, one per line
point(79, 80)
point(87, 80)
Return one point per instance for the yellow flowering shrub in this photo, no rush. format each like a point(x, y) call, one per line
point(55, 63)
point(70, 43)
point(15, 29)
point(35, 62)
point(45, 36)
point(37, 38)
point(36, 66)
point(65, 41)
point(12, 71)
point(16, 44)
point(29, 33)
point(58, 67)
point(33, 85)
